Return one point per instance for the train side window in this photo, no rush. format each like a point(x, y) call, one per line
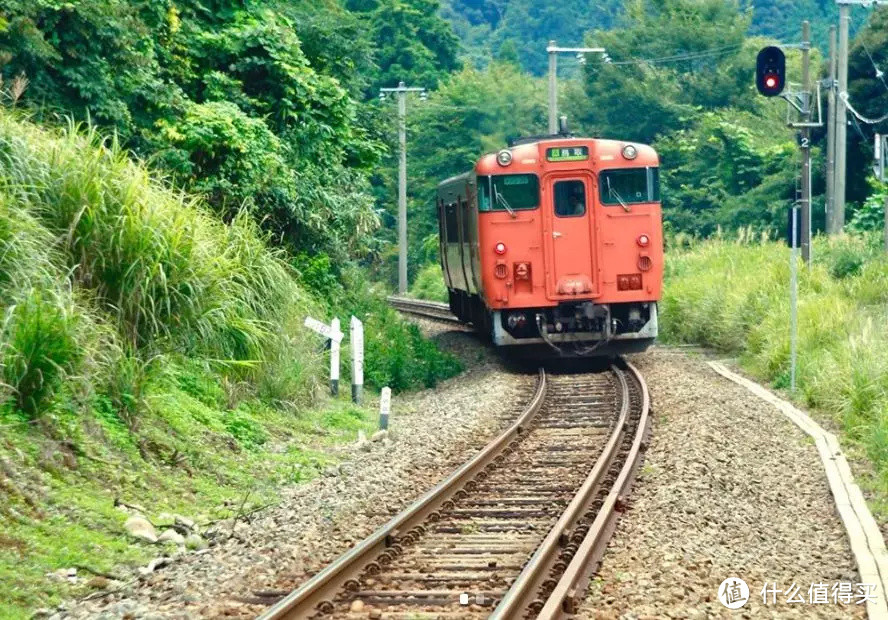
point(452, 229)
point(570, 198)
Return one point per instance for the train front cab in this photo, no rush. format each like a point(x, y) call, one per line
point(569, 247)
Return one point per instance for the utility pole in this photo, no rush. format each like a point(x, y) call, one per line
point(832, 225)
point(553, 52)
point(806, 101)
point(842, 117)
point(401, 91)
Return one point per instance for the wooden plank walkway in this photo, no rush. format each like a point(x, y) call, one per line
point(867, 543)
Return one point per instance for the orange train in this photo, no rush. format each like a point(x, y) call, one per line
point(557, 241)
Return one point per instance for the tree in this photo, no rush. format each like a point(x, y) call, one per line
point(413, 43)
point(223, 95)
point(685, 45)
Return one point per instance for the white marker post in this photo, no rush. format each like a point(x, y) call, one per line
point(332, 333)
point(357, 351)
point(385, 407)
point(334, 358)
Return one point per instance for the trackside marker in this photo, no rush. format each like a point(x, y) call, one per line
point(334, 357)
point(357, 351)
point(385, 407)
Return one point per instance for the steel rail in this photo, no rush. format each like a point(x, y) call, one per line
point(570, 589)
point(434, 310)
point(524, 591)
point(318, 592)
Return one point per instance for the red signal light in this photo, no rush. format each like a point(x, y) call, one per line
point(770, 71)
point(500, 248)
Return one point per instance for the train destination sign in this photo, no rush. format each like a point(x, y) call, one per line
point(573, 153)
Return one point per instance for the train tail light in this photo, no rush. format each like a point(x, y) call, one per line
point(629, 282)
point(500, 248)
point(644, 241)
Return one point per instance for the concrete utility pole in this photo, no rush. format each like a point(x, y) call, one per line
point(842, 108)
point(553, 51)
point(842, 118)
point(832, 225)
point(401, 91)
point(807, 100)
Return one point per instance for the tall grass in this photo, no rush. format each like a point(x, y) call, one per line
point(88, 237)
point(735, 297)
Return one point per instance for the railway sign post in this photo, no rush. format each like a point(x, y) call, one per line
point(332, 333)
point(327, 331)
point(357, 352)
point(335, 346)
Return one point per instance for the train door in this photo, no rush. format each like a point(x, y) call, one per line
point(570, 242)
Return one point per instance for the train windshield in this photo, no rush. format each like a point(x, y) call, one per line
point(629, 185)
point(508, 192)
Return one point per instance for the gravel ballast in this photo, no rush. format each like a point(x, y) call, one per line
point(729, 488)
point(432, 432)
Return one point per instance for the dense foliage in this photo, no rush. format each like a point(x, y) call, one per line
point(254, 105)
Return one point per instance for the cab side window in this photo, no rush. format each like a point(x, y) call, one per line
point(570, 198)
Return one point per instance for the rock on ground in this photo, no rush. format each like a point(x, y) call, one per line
point(729, 488)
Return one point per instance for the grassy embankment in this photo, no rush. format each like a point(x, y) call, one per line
point(734, 296)
point(150, 353)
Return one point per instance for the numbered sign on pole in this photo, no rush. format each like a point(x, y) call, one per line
point(323, 329)
point(357, 352)
point(334, 358)
point(385, 407)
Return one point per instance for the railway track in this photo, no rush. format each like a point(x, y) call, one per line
point(513, 533)
point(433, 310)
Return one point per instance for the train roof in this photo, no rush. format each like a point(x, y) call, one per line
point(531, 156)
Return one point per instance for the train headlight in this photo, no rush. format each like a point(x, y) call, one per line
point(644, 241)
point(504, 158)
point(500, 248)
point(630, 152)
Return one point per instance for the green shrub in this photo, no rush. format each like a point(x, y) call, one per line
point(398, 356)
point(429, 284)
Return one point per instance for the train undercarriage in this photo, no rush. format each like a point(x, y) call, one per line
point(573, 329)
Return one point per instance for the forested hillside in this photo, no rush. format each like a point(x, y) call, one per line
point(502, 29)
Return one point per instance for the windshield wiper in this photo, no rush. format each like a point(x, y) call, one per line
point(613, 194)
point(500, 199)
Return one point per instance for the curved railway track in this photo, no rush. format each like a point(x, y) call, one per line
point(433, 310)
point(513, 533)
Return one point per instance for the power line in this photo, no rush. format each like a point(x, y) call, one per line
point(863, 119)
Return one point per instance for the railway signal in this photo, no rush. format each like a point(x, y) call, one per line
point(770, 71)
